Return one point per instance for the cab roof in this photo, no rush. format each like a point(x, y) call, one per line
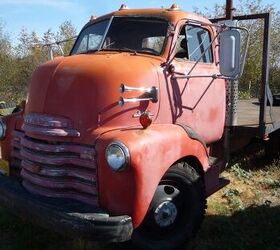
point(172, 16)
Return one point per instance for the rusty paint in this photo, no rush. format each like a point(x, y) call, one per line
point(72, 113)
point(63, 170)
point(151, 157)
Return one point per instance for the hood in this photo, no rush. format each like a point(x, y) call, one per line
point(85, 89)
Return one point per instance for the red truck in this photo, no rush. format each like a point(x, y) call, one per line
point(123, 139)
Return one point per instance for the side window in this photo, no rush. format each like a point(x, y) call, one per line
point(181, 47)
point(199, 44)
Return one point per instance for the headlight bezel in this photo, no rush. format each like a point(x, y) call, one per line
point(125, 152)
point(4, 127)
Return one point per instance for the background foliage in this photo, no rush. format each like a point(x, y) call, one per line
point(249, 84)
point(17, 62)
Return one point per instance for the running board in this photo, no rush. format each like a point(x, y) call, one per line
point(222, 183)
point(213, 181)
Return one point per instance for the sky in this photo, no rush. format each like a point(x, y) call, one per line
point(40, 15)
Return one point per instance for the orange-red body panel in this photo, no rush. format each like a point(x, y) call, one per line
point(85, 90)
point(13, 122)
point(153, 151)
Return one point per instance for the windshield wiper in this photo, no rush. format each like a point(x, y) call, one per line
point(90, 51)
point(124, 49)
point(129, 50)
point(149, 51)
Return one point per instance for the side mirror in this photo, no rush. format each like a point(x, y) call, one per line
point(230, 47)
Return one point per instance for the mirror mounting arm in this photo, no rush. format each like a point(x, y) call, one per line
point(214, 76)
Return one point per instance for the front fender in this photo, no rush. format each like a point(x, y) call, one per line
point(13, 122)
point(153, 151)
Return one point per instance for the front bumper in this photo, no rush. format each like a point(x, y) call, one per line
point(69, 218)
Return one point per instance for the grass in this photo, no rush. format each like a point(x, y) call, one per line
point(244, 94)
point(243, 215)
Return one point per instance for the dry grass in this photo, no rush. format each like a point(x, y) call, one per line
point(245, 214)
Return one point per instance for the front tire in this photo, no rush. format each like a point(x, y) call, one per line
point(176, 211)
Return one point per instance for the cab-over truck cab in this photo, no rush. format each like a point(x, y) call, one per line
point(115, 140)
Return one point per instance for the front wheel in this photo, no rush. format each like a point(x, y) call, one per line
point(176, 212)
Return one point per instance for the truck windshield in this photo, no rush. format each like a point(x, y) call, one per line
point(136, 34)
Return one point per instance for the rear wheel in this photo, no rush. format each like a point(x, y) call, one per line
point(176, 212)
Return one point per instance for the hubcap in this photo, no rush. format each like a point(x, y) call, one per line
point(165, 214)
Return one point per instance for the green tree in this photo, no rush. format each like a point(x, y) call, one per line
point(5, 43)
point(17, 63)
point(7, 65)
point(66, 31)
point(252, 73)
point(28, 57)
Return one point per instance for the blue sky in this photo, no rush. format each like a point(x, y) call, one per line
point(39, 15)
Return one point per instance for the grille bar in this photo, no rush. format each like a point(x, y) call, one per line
point(60, 132)
point(62, 183)
point(55, 159)
point(54, 193)
point(42, 120)
point(59, 148)
point(54, 169)
point(59, 171)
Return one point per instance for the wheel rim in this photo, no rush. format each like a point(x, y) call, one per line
point(165, 214)
point(163, 228)
point(168, 205)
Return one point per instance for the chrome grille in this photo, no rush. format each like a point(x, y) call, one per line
point(54, 169)
point(59, 170)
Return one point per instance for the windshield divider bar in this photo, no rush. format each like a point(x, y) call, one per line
point(105, 33)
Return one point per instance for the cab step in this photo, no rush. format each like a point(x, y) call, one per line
point(213, 181)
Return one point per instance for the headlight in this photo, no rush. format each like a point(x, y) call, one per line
point(117, 156)
point(2, 129)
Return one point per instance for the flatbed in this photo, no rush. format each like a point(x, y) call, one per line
point(248, 113)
